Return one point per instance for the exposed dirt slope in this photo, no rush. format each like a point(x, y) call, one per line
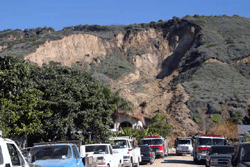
point(141, 86)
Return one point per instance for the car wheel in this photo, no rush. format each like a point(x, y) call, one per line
point(152, 161)
point(196, 160)
point(137, 164)
point(120, 165)
point(131, 163)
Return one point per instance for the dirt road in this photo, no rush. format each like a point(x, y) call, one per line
point(174, 161)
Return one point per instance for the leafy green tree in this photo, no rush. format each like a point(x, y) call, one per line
point(80, 104)
point(159, 126)
point(119, 105)
point(21, 105)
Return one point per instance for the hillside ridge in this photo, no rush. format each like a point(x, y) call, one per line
point(189, 68)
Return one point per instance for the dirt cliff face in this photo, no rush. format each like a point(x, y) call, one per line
point(149, 93)
point(69, 50)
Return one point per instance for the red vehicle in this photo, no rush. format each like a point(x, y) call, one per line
point(158, 144)
point(203, 143)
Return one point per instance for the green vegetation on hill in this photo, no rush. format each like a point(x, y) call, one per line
point(210, 85)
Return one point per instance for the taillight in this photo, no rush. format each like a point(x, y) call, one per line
point(150, 154)
point(200, 149)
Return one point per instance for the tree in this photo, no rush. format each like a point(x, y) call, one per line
point(119, 105)
point(246, 137)
point(159, 126)
point(21, 105)
point(228, 129)
point(79, 103)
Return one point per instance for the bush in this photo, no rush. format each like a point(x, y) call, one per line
point(197, 119)
point(216, 118)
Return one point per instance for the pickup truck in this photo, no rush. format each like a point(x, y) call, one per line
point(55, 154)
point(131, 154)
point(104, 154)
point(10, 154)
point(220, 156)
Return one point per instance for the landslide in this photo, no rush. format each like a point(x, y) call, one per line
point(194, 69)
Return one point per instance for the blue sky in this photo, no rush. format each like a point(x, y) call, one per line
point(58, 14)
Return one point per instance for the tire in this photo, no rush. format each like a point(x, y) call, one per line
point(137, 164)
point(131, 163)
point(120, 165)
point(152, 161)
point(195, 160)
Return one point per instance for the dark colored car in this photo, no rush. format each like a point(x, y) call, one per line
point(220, 155)
point(147, 154)
point(242, 155)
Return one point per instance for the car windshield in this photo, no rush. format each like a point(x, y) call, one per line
point(245, 153)
point(217, 142)
point(222, 149)
point(119, 144)
point(205, 141)
point(152, 142)
point(98, 149)
point(184, 142)
point(210, 141)
point(145, 148)
point(50, 152)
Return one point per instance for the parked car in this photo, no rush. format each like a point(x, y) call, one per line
point(147, 154)
point(242, 155)
point(128, 147)
point(220, 155)
point(54, 154)
point(104, 154)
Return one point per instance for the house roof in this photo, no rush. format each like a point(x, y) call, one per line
point(137, 117)
point(242, 129)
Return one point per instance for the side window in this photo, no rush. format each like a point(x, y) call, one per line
point(75, 152)
point(1, 156)
point(15, 156)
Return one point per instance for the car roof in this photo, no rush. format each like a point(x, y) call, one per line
point(104, 144)
point(5, 140)
point(45, 145)
point(245, 143)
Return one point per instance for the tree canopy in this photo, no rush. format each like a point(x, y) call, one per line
point(52, 102)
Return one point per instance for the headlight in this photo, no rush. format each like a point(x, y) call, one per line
point(101, 161)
